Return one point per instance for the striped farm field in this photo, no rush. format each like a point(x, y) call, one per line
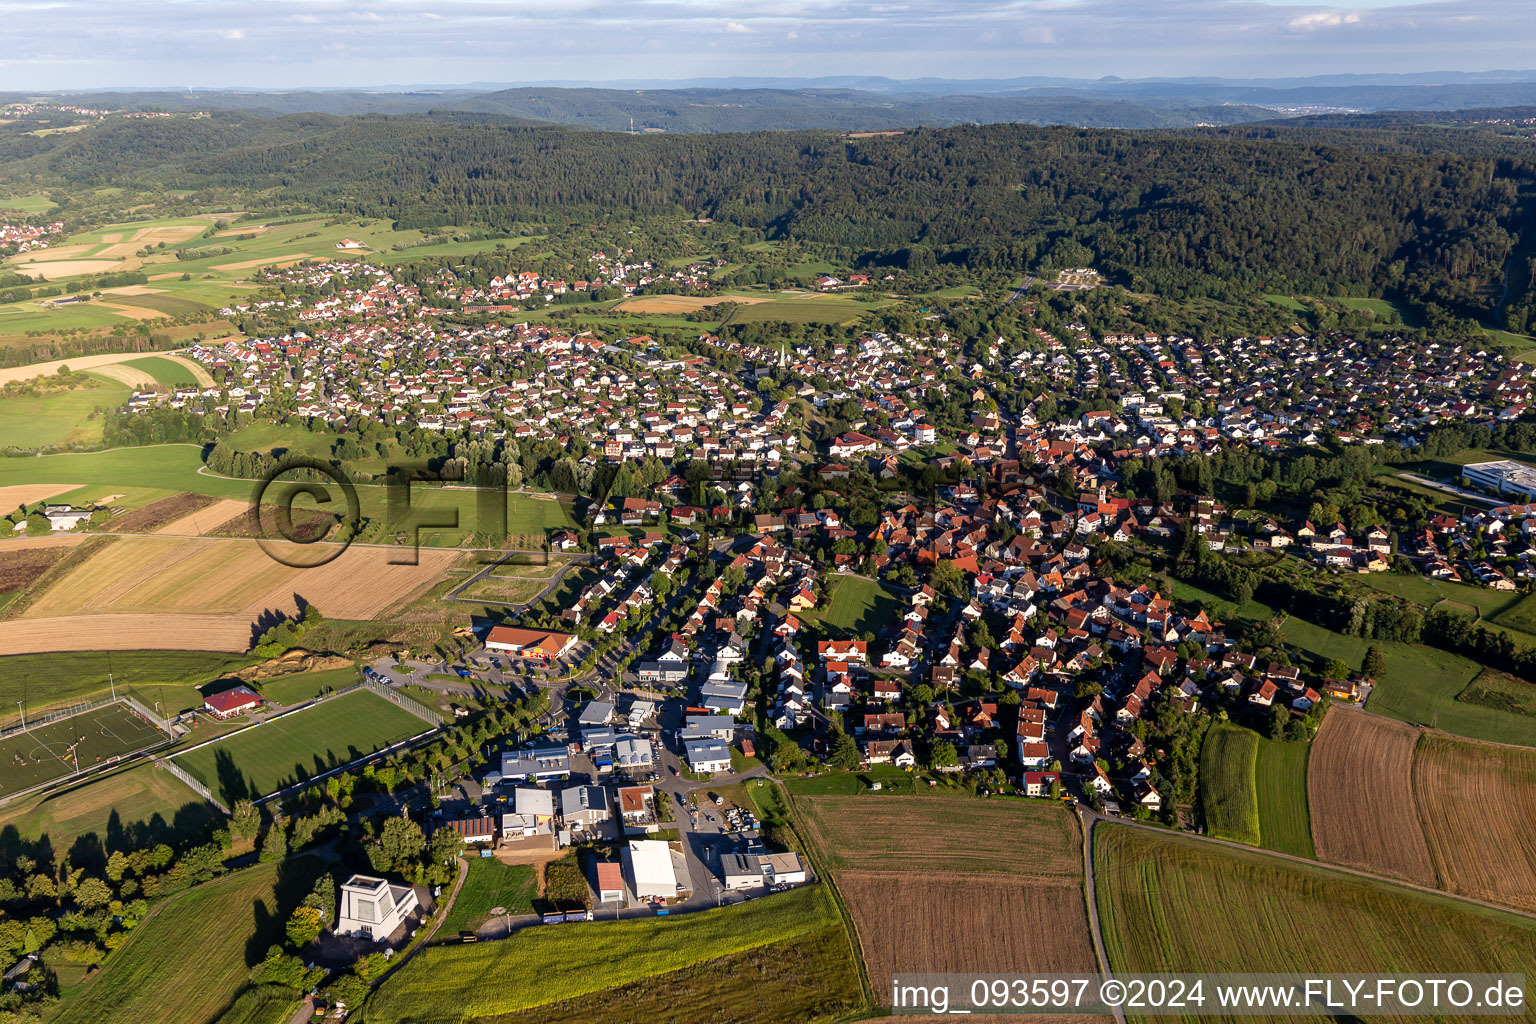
point(176, 576)
point(1228, 796)
point(137, 632)
point(1477, 805)
point(918, 832)
point(939, 883)
point(1360, 794)
point(278, 753)
point(1168, 903)
point(458, 984)
point(1254, 790)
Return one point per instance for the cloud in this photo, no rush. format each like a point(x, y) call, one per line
point(1323, 19)
point(1040, 35)
point(232, 33)
point(736, 26)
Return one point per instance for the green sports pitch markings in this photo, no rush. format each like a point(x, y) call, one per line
point(79, 743)
point(278, 753)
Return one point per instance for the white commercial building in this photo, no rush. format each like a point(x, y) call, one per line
point(648, 866)
point(371, 908)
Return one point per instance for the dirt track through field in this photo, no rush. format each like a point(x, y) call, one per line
point(1360, 789)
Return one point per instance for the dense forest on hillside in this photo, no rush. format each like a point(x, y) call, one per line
point(1223, 212)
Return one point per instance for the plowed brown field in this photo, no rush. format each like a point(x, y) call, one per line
point(966, 924)
point(1477, 805)
point(1360, 790)
point(156, 514)
point(940, 833)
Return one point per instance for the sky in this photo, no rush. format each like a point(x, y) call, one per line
point(82, 44)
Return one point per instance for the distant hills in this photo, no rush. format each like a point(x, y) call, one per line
point(874, 103)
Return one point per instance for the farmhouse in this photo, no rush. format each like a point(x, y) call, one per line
point(648, 867)
point(371, 908)
point(537, 644)
point(231, 702)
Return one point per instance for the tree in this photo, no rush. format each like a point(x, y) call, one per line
point(245, 820)
point(1336, 668)
point(845, 753)
point(38, 524)
point(1374, 665)
point(304, 926)
point(92, 893)
point(944, 755)
point(400, 843)
point(948, 579)
point(274, 845)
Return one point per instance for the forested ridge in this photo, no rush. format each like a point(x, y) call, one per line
point(1189, 213)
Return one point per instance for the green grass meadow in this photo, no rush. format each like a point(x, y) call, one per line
point(858, 605)
point(268, 757)
point(190, 960)
point(1228, 797)
point(58, 417)
point(490, 884)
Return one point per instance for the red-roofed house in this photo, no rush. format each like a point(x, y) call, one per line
point(232, 702)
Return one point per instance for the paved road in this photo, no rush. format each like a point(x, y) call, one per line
point(570, 561)
point(1459, 492)
point(1089, 819)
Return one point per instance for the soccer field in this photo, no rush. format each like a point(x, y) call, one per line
point(78, 743)
point(268, 757)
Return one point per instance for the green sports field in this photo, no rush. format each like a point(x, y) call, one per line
point(78, 743)
point(268, 757)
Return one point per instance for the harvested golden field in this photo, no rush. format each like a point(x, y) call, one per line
point(206, 520)
point(269, 261)
point(126, 633)
point(13, 496)
point(139, 380)
point(55, 270)
point(915, 923)
point(1360, 790)
point(132, 313)
point(684, 303)
point(944, 834)
point(1477, 803)
point(176, 576)
point(152, 517)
